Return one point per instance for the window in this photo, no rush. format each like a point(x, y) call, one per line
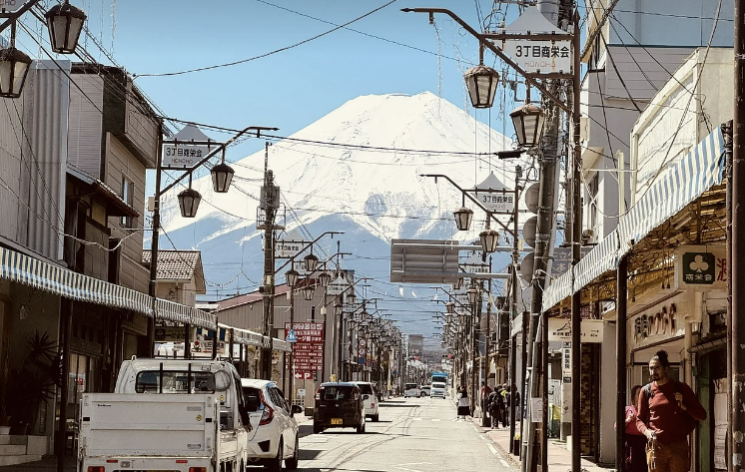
point(175, 382)
point(366, 389)
point(594, 188)
point(128, 190)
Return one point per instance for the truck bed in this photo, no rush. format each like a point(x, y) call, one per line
point(122, 425)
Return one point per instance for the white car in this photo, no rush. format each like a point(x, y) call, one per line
point(275, 435)
point(438, 389)
point(370, 397)
point(411, 390)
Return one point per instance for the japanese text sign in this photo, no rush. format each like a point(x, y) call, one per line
point(540, 56)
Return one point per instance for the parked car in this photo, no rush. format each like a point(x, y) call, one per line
point(439, 389)
point(425, 390)
point(276, 437)
point(411, 390)
point(370, 398)
point(339, 405)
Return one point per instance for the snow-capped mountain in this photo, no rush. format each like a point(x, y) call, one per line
point(358, 170)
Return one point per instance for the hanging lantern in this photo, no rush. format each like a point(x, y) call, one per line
point(291, 277)
point(65, 23)
point(450, 306)
point(481, 82)
point(308, 292)
point(351, 298)
point(311, 262)
point(528, 121)
point(463, 218)
point(324, 278)
point(338, 309)
point(14, 65)
point(189, 201)
point(472, 294)
point(222, 176)
point(489, 240)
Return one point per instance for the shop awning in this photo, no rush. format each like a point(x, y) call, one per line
point(675, 188)
point(21, 268)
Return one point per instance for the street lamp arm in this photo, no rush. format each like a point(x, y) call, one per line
point(209, 156)
point(489, 214)
point(498, 52)
point(289, 261)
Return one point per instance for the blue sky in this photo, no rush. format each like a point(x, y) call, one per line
point(293, 88)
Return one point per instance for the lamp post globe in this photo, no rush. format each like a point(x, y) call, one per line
point(308, 292)
point(189, 201)
point(311, 262)
point(65, 23)
point(489, 240)
point(528, 121)
point(291, 277)
point(351, 298)
point(14, 65)
point(450, 306)
point(463, 218)
point(324, 278)
point(338, 309)
point(222, 176)
point(481, 82)
point(461, 319)
point(472, 294)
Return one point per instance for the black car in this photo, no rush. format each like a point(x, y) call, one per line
point(339, 405)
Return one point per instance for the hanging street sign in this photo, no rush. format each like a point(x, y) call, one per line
point(560, 329)
point(542, 57)
point(186, 149)
point(494, 196)
point(289, 246)
point(337, 286)
point(474, 265)
point(12, 6)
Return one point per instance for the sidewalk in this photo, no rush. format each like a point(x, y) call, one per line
point(559, 458)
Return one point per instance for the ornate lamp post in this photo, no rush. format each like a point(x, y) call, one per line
point(463, 218)
point(528, 121)
point(481, 82)
point(65, 23)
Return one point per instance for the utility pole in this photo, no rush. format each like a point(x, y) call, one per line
point(153, 286)
point(269, 203)
point(738, 245)
point(513, 310)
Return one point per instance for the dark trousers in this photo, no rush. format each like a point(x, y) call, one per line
point(494, 418)
point(635, 452)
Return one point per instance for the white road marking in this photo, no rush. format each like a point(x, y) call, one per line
point(400, 466)
point(435, 419)
point(491, 448)
point(504, 463)
point(417, 419)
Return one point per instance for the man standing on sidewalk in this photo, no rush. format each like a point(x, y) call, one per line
point(668, 412)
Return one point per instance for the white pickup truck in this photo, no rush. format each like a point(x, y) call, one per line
point(167, 415)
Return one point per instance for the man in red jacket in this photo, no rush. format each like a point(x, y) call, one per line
point(667, 413)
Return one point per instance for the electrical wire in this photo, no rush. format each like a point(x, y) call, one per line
point(261, 56)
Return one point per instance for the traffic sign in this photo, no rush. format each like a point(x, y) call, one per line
point(291, 338)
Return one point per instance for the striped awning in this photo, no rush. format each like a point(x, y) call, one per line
point(675, 188)
point(21, 268)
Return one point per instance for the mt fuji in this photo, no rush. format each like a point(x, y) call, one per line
point(357, 170)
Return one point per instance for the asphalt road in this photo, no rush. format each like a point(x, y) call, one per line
point(413, 435)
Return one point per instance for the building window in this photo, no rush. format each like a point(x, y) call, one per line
point(128, 190)
point(594, 188)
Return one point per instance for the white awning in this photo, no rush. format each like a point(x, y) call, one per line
point(27, 270)
point(675, 188)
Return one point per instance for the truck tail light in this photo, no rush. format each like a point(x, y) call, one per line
point(96, 468)
point(197, 469)
point(372, 405)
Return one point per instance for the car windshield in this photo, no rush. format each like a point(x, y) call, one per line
point(365, 389)
point(336, 393)
point(408, 386)
point(438, 385)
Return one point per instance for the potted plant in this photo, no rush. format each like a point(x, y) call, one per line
point(34, 382)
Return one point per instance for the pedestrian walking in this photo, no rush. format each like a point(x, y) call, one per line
point(635, 443)
point(464, 408)
point(668, 411)
point(495, 401)
point(484, 393)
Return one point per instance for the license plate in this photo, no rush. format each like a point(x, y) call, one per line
point(337, 421)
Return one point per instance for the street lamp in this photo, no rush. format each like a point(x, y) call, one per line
point(308, 292)
point(528, 121)
point(489, 240)
point(351, 298)
point(324, 278)
point(338, 309)
point(291, 277)
point(222, 176)
point(189, 201)
point(481, 82)
point(450, 306)
point(472, 294)
point(65, 22)
point(14, 65)
point(311, 262)
point(463, 218)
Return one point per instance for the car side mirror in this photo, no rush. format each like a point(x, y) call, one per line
point(365, 397)
point(296, 409)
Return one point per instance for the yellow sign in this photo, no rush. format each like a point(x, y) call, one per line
point(199, 417)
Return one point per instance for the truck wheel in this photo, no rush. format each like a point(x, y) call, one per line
point(275, 464)
point(292, 463)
